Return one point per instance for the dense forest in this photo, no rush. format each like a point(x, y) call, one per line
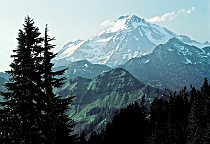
point(184, 118)
point(31, 113)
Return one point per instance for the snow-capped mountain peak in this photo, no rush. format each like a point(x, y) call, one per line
point(125, 22)
point(132, 22)
point(128, 37)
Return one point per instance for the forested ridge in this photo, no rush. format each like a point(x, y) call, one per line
point(31, 113)
point(184, 118)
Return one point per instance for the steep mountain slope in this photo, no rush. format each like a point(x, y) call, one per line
point(128, 37)
point(171, 65)
point(97, 98)
point(84, 69)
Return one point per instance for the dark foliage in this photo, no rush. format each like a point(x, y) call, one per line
point(31, 113)
point(183, 118)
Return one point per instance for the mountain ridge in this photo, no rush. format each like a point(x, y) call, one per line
point(171, 65)
point(128, 37)
point(96, 99)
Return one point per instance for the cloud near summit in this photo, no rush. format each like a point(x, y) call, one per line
point(171, 15)
point(106, 24)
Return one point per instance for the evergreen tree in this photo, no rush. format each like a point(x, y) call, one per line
point(195, 129)
point(158, 125)
point(207, 132)
point(57, 125)
point(177, 117)
point(205, 94)
point(128, 125)
point(199, 118)
point(20, 118)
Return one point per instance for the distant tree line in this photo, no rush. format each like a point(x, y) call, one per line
point(184, 118)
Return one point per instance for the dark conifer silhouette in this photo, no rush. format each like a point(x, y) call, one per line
point(158, 122)
point(57, 125)
point(21, 119)
point(31, 113)
point(198, 121)
point(127, 126)
point(177, 117)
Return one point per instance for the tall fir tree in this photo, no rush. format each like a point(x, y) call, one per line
point(195, 129)
point(20, 118)
point(205, 94)
point(207, 132)
point(177, 117)
point(158, 125)
point(198, 121)
point(58, 126)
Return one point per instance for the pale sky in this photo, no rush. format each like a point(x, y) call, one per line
point(69, 20)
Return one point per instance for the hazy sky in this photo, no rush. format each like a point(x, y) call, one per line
point(69, 20)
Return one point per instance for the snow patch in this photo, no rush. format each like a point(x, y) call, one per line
point(127, 56)
point(165, 36)
point(118, 25)
point(71, 48)
point(135, 54)
point(86, 65)
point(188, 61)
point(104, 40)
point(136, 38)
point(146, 61)
point(170, 50)
point(74, 71)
